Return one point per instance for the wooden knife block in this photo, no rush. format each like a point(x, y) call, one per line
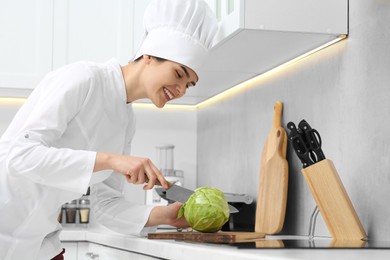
point(333, 202)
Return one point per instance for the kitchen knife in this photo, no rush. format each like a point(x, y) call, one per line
point(180, 194)
point(306, 142)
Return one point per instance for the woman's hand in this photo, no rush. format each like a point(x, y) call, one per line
point(166, 215)
point(136, 170)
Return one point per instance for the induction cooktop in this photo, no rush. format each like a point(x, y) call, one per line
point(314, 243)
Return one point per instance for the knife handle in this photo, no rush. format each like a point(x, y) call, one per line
point(158, 183)
point(168, 182)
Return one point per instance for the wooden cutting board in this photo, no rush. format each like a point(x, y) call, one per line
point(220, 237)
point(273, 181)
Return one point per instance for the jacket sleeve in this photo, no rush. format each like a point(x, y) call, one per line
point(112, 210)
point(45, 116)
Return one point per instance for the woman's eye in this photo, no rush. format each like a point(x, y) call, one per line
point(178, 75)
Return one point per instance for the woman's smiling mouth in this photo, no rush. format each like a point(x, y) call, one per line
point(168, 94)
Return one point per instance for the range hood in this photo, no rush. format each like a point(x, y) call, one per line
point(259, 35)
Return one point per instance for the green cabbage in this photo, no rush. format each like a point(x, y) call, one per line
point(206, 210)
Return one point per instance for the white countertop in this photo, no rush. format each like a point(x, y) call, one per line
point(170, 249)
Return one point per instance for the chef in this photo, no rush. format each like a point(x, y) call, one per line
point(75, 131)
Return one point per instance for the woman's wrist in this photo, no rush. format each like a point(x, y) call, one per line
point(156, 217)
point(166, 215)
point(102, 162)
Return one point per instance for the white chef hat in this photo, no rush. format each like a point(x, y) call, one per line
point(178, 30)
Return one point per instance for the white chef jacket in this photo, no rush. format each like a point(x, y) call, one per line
point(47, 156)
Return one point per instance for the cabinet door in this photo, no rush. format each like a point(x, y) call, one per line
point(138, 16)
point(229, 13)
point(25, 42)
point(100, 252)
point(84, 252)
point(93, 30)
point(71, 250)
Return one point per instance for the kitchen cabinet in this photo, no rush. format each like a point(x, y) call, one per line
point(88, 251)
point(255, 36)
point(71, 249)
point(46, 34)
point(26, 44)
point(94, 30)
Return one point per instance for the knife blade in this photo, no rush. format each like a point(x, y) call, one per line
point(181, 194)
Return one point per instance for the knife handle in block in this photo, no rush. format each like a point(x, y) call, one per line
point(333, 201)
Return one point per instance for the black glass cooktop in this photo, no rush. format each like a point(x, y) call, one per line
point(313, 244)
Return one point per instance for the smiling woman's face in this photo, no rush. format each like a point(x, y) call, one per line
point(166, 80)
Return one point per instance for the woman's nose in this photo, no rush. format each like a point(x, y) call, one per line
point(181, 89)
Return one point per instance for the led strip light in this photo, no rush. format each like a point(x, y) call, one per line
point(255, 80)
point(244, 85)
point(229, 92)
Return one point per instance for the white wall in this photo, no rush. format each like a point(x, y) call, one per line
point(343, 92)
point(166, 126)
point(8, 109)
